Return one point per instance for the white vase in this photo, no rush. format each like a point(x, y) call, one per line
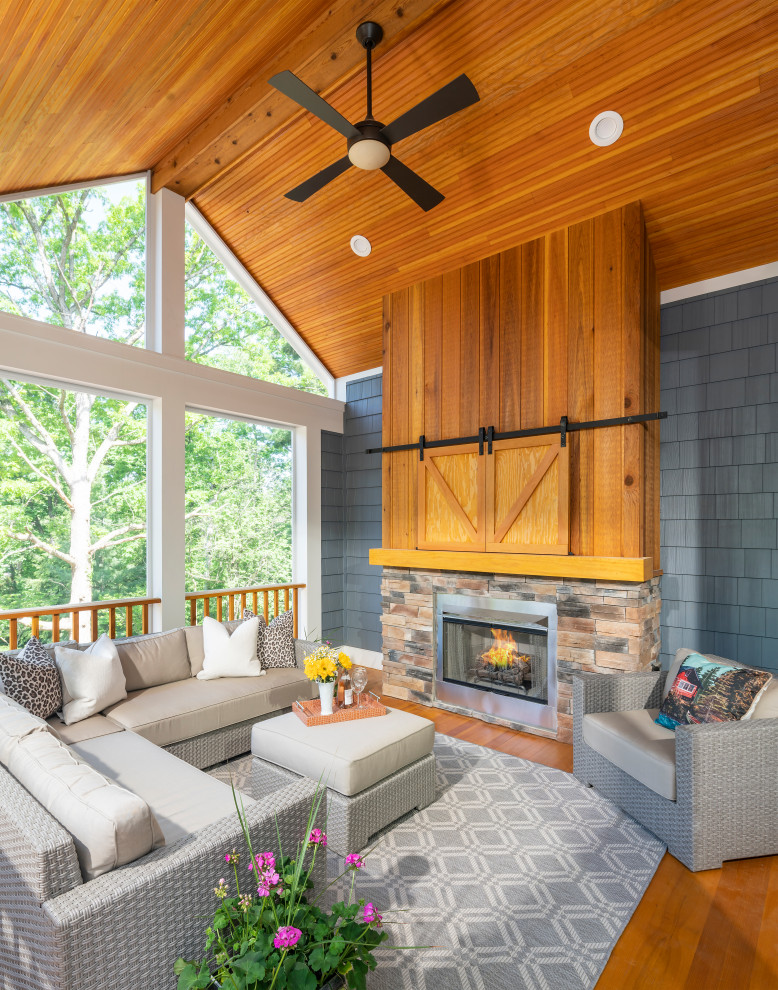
point(326, 693)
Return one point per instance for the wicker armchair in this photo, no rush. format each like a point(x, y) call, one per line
point(726, 777)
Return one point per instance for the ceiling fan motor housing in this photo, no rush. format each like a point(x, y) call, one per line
point(369, 149)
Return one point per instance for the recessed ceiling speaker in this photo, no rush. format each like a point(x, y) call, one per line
point(361, 245)
point(606, 128)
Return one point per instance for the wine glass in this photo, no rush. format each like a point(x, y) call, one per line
point(359, 680)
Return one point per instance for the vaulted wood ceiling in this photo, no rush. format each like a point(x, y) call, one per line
point(91, 89)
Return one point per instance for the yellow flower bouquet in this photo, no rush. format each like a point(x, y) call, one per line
point(322, 664)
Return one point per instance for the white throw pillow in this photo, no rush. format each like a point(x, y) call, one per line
point(230, 655)
point(91, 680)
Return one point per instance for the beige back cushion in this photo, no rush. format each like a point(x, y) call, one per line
point(110, 825)
point(158, 658)
point(194, 644)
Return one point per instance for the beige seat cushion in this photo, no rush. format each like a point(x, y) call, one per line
point(633, 742)
point(158, 658)
point(196, 647)
point(88, 728)
point(349, 756)
point(169, 713)
point(110, 826)
point(183, 799)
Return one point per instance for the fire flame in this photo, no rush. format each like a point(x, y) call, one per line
point(503, 654)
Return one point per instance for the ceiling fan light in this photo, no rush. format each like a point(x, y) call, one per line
point(369, 154)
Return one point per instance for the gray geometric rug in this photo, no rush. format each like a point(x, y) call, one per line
point(518, 875)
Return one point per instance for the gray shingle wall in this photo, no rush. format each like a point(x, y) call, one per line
point(333, 525)
point(719, 467)
point(352, 589)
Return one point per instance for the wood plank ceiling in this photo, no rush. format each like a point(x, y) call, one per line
point(90, 88)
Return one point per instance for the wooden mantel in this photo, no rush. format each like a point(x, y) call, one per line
point(536, 565)
point(566, 325)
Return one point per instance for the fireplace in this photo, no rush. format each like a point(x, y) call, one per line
point(497, 657)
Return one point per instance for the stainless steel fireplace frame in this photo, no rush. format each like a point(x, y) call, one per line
point(515, 614)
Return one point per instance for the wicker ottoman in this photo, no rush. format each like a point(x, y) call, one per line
point(375, 770)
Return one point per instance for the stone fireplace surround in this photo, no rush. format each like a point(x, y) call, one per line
point(605, 626)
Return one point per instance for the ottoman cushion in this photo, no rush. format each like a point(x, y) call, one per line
point(348, 756)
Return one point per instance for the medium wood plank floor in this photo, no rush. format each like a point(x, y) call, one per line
point(716, 930)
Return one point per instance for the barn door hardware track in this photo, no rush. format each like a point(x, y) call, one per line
point(486, 436)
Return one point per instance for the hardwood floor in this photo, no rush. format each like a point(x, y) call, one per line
point(716, 930)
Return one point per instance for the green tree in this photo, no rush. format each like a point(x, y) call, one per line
point(72, 496)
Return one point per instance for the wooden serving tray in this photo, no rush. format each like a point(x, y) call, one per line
point(309, 712)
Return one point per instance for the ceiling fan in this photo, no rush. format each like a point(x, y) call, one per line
point(369, 142)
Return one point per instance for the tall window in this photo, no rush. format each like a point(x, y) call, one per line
point(72, 496)
point(238, 503)
point(77, 259)
point(225, 329)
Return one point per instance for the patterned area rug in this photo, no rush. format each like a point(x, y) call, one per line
point(517, 875)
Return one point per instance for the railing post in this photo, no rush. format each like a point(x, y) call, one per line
point(294, 608)
point(13, 634)
point(55, 627)
point(128, 620)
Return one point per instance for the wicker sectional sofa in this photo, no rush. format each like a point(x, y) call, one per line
point(124, 928)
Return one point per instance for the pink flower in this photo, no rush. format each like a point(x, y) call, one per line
point(317, 837)
point(287, 937)
point(355, 861)
point(265, 861)
point(263, 891)
point(226, 857)
point(371, 915)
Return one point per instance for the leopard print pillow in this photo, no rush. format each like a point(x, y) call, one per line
point(275, 643)
point(31, 679)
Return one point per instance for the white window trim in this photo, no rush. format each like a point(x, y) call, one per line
point(168, 384)
point(731, 280)
point(14, 197)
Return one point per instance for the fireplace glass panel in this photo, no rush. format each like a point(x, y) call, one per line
point(502, 658)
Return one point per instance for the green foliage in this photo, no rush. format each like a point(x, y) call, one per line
point(77, 259)
point(240, 950)
point(224, 328)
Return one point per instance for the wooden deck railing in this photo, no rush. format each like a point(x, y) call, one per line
point(94, 610)
point(120, 615)
point(226, 600)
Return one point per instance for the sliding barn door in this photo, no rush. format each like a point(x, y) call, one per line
point(451, 499)
point(527, 496)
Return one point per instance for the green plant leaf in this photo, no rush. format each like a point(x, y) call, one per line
point(301, 978)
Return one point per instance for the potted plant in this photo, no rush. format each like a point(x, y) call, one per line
point(322, 666)
point(266, 935)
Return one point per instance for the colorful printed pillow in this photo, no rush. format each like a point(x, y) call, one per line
point(712, 691)
point(275, 643)
point(31, 679)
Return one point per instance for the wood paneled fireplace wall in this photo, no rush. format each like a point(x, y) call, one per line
point(565, 325)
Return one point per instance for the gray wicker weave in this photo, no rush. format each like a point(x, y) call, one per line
point(726, 777)
point(125, 929)
point(352, 820)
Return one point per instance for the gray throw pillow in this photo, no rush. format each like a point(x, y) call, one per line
point(31, 679)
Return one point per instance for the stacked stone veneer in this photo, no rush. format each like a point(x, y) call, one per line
point(603, 626)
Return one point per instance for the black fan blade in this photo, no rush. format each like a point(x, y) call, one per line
point(286, 82)
point(316, 182)
point(452, 98)
point(421, 192)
